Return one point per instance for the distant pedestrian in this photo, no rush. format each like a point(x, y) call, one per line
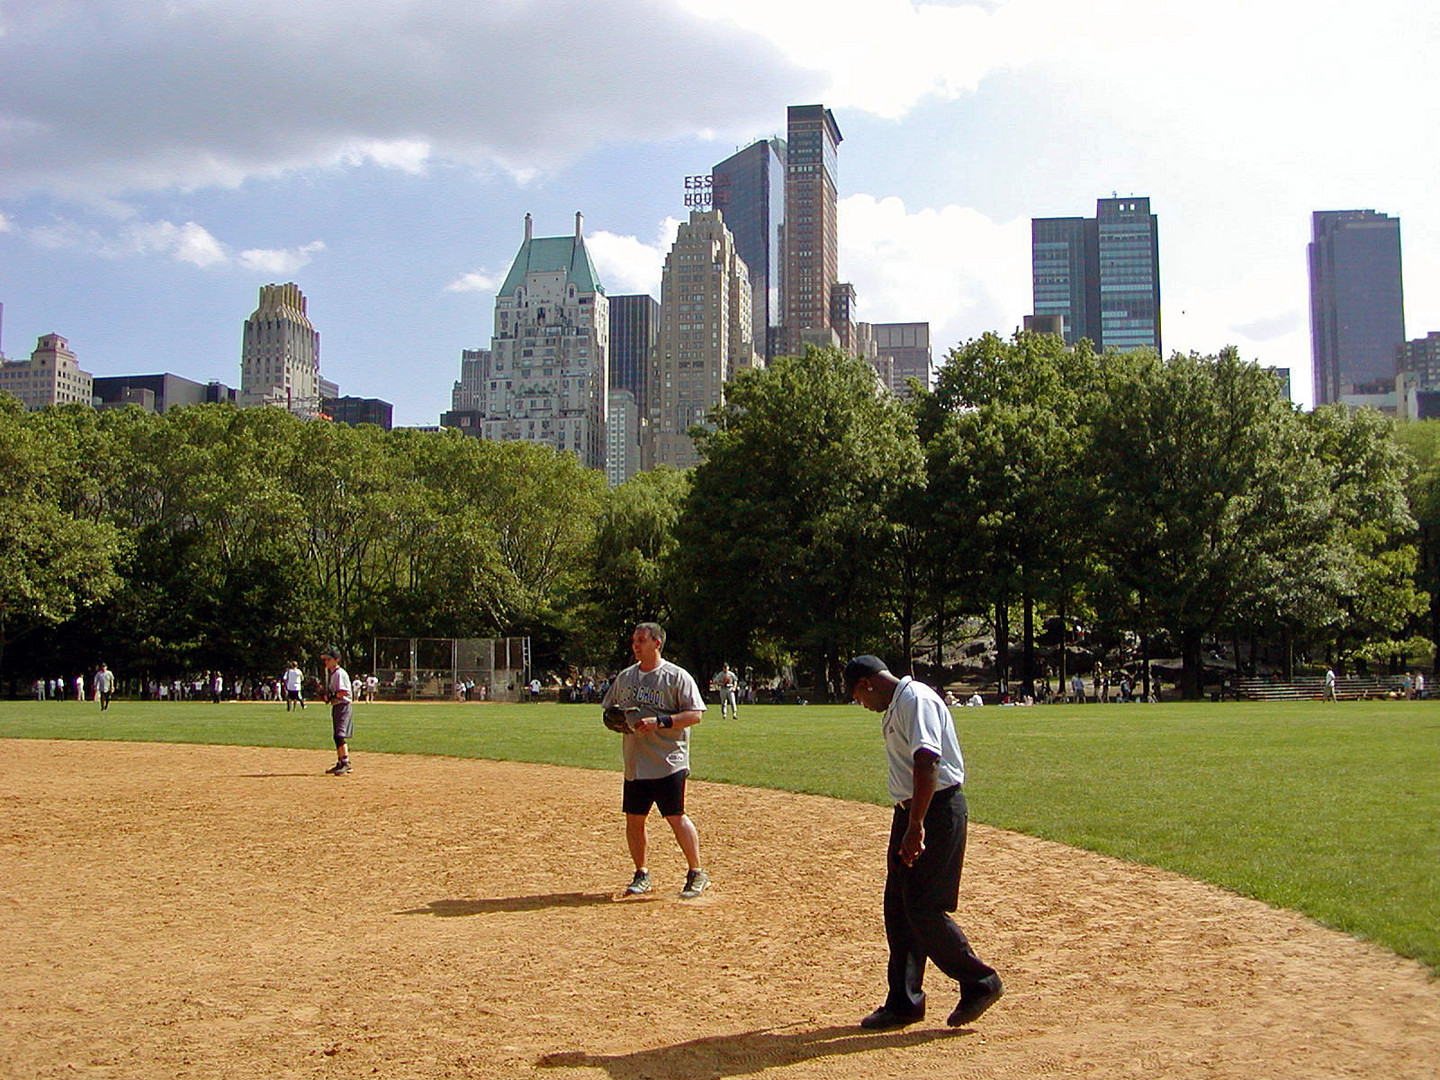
point(727, 684)
point(337, 693)
point(104, 686)
point(1330, 692)
point(294, 680)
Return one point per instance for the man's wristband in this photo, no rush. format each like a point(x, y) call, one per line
point(665, 721)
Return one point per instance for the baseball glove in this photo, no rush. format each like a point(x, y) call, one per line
point(615, 720)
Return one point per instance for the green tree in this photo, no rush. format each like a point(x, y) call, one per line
point(1210, 492)
point(789, 525)
point(53, 560)
point(1010, 490)
point(631, 576)
point(1369, 581)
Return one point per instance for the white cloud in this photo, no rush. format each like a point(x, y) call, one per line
point(629, 265)
point(477, 281)
point(404, 155)
point(279, 261)
point(952, 267)
point(188, 243)
point(121, 96)
point(5, 225)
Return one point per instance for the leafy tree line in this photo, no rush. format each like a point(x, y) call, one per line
point(1161, 504)
point(216, 538)
point(1158, 504)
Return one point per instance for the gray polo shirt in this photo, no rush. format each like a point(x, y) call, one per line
point(668, 689)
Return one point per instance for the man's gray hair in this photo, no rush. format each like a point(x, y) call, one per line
point(654, 629)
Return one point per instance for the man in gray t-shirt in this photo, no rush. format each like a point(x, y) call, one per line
point(662, 702)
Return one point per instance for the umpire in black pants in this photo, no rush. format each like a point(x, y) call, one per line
point(926, 850)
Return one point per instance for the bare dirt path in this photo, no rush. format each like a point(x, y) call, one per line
point(176, 912)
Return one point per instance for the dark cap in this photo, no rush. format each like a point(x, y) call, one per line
point(860, 668)
point(330, 650)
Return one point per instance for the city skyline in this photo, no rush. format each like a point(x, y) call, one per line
point(143, 205)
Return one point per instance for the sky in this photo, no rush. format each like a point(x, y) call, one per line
point(160, 160)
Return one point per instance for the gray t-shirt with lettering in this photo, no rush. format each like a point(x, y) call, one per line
point(668, 689)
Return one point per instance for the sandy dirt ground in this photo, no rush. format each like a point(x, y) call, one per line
point(177, 912)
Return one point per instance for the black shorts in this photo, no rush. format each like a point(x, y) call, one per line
point(667, 794)
point(340, 720)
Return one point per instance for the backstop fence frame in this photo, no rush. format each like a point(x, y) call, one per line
point(422, 668)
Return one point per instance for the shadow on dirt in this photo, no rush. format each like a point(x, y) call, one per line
point(450, 909)
point(748, 1052)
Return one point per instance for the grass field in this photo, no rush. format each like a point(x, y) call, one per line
point(1329, 809)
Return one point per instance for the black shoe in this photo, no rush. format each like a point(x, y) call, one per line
point(886, 1017)
point(973, 1003)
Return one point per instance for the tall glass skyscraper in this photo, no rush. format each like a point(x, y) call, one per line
point(1357, 303)
point(634, 329)
point(1102, 274)
point(812, 254)
point(749, 191)
point(1129, 251)
point(1061, 251)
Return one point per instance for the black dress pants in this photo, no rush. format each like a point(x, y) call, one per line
point(918, 900)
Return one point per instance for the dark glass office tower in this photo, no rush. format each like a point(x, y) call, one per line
point(1357, 305)
point(1061, 251)
point(1129, 251)
point(634, 329)
point(749, 190)
point(1102, 274)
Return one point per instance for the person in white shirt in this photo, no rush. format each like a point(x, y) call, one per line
point(294, 681)
point(926, 850)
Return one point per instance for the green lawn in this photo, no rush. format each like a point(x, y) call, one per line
point(1329, 809)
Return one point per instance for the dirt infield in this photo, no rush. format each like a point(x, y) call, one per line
point(170, 911)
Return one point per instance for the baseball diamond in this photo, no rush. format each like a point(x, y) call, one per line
point(209, 911)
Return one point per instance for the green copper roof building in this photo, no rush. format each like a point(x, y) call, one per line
point(554, 254)
point(545, 378)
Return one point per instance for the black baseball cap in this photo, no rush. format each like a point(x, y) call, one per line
point(859, 668)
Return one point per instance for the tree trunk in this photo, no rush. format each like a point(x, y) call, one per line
point(1064, 664)
point(1144, 667)
point(1191, 682)
point(1027, 675)
point(1002, 646)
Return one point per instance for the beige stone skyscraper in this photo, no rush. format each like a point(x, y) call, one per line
point(280, 353)
point(706, 335)
point(51, 376)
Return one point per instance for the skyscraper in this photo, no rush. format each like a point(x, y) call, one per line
point(469, 389)
point(705, 335)
point(280, 353)
point(908, 347)
point(1357, 304)
point(749, 189)
point(51, 376)
point(811, 248)
point(546, 379)
point(634, 331)
point(1129, 252)
point(1101, 274)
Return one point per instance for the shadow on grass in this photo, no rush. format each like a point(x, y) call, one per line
point(450, 909)
point(743, 1054)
